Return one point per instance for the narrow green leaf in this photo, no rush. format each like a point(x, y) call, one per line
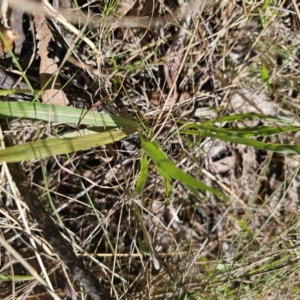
point(16, 278)
point(168, 170)
point(266, 4)
point(156, 155)
point(58, 146)
point(61, 114)
point(250, 117)
point(242, 132)
point(280, 148)
point(143, 174)
point(265, 76)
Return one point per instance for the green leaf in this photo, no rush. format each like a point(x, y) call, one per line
point(143, 175)
point(280, 148)
point(169, 170)
point(16, 278)
point(58, 146)
point(250, 117)
point(265, 75)
point(240, 132)
point(61, 114)
point(266, 4)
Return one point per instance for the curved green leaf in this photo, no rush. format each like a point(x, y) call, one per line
point(240, 132)
point(61, 114)
point(253, 116)
point(40, 149)
point(280, 148)
point(168, 170)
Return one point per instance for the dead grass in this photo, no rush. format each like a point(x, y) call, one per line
point(206, 248)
